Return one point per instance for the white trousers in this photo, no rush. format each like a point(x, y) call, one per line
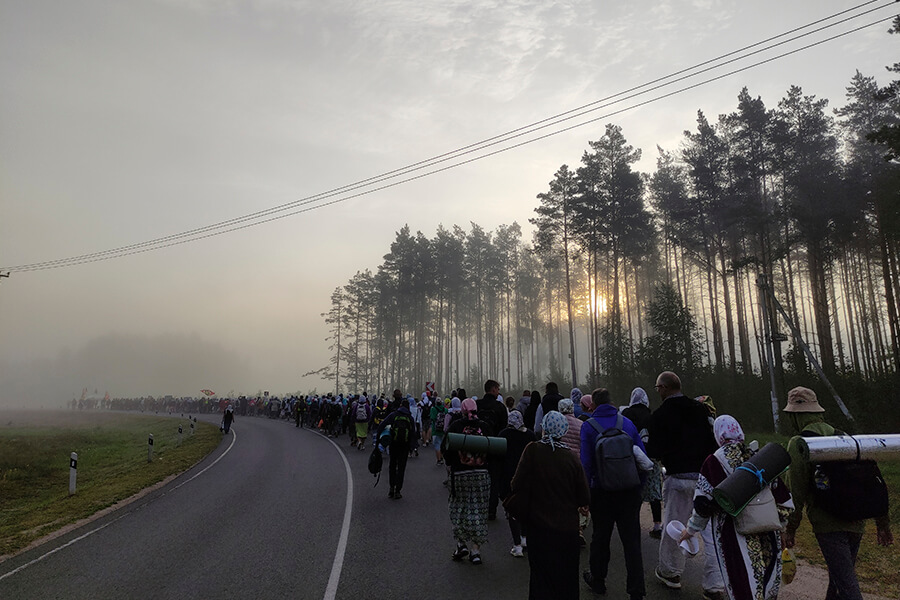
point(678, 503)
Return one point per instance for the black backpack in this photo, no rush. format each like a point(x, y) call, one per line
point(851, 490)
point(375, 463)
point(616, 469)
point(400, 428)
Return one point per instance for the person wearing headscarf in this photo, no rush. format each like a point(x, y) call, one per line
point(553, 481)
point(517, 437)
point(470, 487)
point(416, 413)
point(575, 396)
point(750, 565)
point(639, 412)
point(587, 407)
point(838, 539)
point(572, 439)
point(524, 401)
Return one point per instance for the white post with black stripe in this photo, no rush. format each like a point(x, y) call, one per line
point(179, 434)
point(150, 448)
point(73, 472)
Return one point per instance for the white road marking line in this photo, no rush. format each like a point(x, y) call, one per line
point(93, 531)
point(211, 465)
point(334, 579)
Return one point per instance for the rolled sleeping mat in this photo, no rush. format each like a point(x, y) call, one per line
point(746, 481)
point(883, 446)
point(479, 444)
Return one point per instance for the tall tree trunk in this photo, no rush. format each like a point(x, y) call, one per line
point(816, 259)
point(729, 321)
point(848, 313)
point(837, 319)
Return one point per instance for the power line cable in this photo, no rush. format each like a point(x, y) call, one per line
point(548, 122)
point(236, 223)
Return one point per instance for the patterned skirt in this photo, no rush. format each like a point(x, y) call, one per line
point(471, 492)
point(652, 490)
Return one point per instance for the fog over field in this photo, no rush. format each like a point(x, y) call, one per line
point(160, 365)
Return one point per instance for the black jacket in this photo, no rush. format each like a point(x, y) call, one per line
point(492, 412)
point(680, 435)
point(550, 402)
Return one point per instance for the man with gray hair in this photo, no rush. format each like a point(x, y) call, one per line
point(680, 436)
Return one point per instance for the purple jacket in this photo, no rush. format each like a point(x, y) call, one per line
point(605, 415)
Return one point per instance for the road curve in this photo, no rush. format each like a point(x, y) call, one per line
point(265, 519)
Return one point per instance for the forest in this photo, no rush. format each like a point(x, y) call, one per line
point(792, 206)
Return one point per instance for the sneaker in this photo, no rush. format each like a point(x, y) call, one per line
point(391, 493)
point(598, 587)
point(440, 462)
point(656, 533)
point(397, 495)
point(416, 451)
point(361, 446)
point(461, 553)
point(707, 595)
point(475, 559)
point(517, 551)
point(670, 581)
point(524, 544)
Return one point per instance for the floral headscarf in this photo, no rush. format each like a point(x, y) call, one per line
point(516, 420)
point(469, 409)
point(455, 405)
point(566, 406)
point(727, 429)
point(639, 396)
point(555, 425)
point(575, 396)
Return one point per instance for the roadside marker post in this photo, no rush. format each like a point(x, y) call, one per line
point(73, 471)
point(192, 428)
point(150, 448)
point(179, 434)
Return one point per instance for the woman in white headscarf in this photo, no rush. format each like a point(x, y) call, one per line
point(750, 564)
point(553, 481)
point(639, 412)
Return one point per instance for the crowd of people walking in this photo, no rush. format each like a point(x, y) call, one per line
point(569, 469)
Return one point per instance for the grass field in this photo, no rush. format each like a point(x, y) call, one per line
point(112, 465)
point(876, 566)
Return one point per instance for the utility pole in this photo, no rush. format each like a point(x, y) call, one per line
point(798, 339)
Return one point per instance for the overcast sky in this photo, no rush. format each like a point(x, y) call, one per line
point(122, 122)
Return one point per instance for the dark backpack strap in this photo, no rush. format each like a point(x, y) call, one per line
point(620, 421)
point(593, 423)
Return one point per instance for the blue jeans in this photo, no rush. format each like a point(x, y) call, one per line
point(839, 549)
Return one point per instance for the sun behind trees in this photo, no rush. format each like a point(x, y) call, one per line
point(672, 257)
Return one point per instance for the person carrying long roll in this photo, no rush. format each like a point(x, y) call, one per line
point(750, 562)
point(838, 537)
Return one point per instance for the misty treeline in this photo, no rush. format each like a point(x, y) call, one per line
point(630, 273)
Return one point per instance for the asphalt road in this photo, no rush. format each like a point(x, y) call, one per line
point(263, 517)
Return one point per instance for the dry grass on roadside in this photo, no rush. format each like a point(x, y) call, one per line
point(112, 465)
